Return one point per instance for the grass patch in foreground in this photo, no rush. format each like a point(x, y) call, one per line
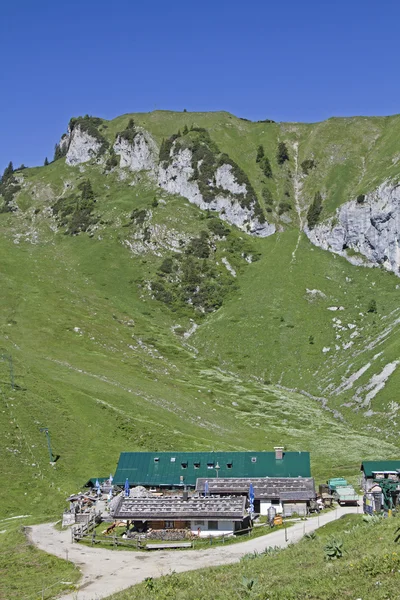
point(26, 572)
point(369, 568)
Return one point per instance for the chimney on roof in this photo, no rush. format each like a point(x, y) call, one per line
point(185, 496)
point(279, 452)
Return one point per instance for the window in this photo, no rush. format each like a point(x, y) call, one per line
point(173, 459)
point(156, 459)
point(213, 525)
point(210, 465)
point(184, 465)
point(196, 523)
point(254, 459)
point(229, 465)
point(196, 465)
point(169, 524)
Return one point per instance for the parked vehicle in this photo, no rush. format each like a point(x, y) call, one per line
point(342, 492)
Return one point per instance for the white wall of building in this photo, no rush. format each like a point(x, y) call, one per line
point(224, 528)
point(266, 504)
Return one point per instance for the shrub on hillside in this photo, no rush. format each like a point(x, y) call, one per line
point(199, 246)
point(217, 227)
point(282, 154)
point(284, 207)
point(8, 188)
point(307, 165)
point(112, 160)
point(74, 212)
point(266, 167)
point(361, 199)
point(260, 153)
point(267, 196)
point(314, 211)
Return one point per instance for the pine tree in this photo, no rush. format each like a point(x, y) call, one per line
point(46, 162)
point(314, 211)
point(266, 167)
point(282, 154)
point(8, 171)
point(131, 124)
point(260, 153)
point(185, 130)
point(87, 191)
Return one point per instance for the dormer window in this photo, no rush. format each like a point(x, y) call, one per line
point(156, 459)
point(173, 459)
point(229, 465)
point(184, 465)
point(254, 459)
point(196, 465)
point(210, 465)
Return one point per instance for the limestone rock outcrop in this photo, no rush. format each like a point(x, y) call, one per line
point(176, 177)
point(82, 147)
point(370, 227)
point(138, 155)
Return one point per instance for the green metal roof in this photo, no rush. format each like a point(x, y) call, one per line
point(373, 466)
point(167, 468)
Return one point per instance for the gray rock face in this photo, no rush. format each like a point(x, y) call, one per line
point(176, 178)
point(139, 155)
point(371, 228)
point(82, 147)
point(64, 142)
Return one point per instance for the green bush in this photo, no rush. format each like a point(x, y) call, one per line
point(307, 165)
point(199, 246)
point(218, 227)
point(129, 133)
point(112, 160)
point(74, 212)
point(361, 199)
point(266, 167)
point(139, 215)
point(60, 151)
point(372, 308)
point(8, 188)
point(282, 154)
point(167, 266)
point(333, 549)
point(260, 153)
point(314, 212)
point(284, 207)
point(165, 148)
point(267, 196)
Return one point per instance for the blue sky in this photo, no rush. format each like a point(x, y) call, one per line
point(288, 61)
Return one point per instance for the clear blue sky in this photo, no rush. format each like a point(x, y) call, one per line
point(286, 60)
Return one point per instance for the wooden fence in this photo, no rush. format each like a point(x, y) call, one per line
point(83, 529)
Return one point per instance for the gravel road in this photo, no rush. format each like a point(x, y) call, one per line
point(105, 572)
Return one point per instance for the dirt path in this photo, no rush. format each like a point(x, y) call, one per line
point(105, 572)
point(296, 189)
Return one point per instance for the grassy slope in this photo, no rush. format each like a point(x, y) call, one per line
point(111, 386)
point(367, 570)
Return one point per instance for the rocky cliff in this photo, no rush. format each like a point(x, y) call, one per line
point(82, 147)
point(368, 226)
point(229, 198)
point(139, 154)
